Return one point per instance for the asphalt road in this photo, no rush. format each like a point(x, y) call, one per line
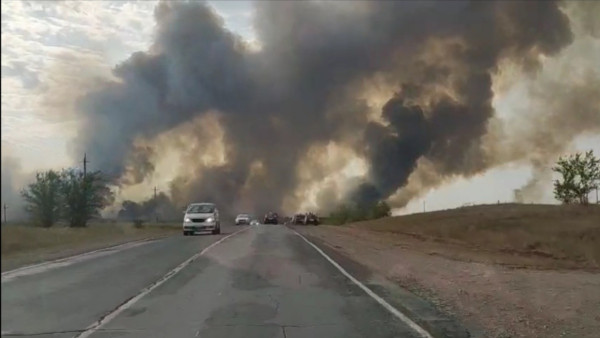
point(262, 282)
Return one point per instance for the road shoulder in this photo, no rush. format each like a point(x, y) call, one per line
point(417, 309)
point(490, 300)
point(19, 251)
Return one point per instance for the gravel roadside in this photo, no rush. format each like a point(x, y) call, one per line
point(490, 300)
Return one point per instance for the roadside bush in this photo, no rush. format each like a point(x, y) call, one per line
point(580, 175)
point(69, 195)
point(43, 199)
point(84, 196)
point(348, 213)
point(138, 223)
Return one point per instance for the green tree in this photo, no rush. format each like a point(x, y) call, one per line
point(84, 196)
point(580, 175)
point(340, 215)
point(43, 198)
point(381, 209)
point(347, 213)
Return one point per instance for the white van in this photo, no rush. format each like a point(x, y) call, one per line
point(201, 217)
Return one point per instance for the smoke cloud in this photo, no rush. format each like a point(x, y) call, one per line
point(157, 208)
point(248, 118)
point(13, 180)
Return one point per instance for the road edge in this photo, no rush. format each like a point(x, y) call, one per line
point(80, 255)
point(436, 323)
point(394, 311)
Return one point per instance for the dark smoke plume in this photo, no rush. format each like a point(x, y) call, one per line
point(302, 88)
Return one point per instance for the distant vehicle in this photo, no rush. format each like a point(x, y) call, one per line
point(311, 219)
point(287, 220)
point(254, 222)
point(201, 217)
point(271, 218)
point(242, 219)
point(299, 219)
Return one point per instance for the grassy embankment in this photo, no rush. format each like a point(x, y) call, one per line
point(23, 244)
point(569, 233)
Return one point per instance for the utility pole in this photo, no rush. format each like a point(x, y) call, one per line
point(4, 213)
point(85, 162)
point(155, 202)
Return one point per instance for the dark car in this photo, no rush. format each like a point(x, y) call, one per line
point(311, 219)
point(299, 219)
point(271, 218)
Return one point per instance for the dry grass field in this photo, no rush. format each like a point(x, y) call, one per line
point(527, 233)
point(22, 244)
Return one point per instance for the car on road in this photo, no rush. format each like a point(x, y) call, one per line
point(201, 217)
point(311, 219)
point(271, 218)
point(242, 219)
point(254, 222)
point(299, 219)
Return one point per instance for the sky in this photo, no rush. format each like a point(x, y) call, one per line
point(39, 37)
point(36, 35)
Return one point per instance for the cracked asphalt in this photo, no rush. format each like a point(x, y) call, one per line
point(263, 282)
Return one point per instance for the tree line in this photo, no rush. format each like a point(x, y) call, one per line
point(158, 207)
point(68, 195)
point(579, 175)
point(76, 197)
point(355, 212)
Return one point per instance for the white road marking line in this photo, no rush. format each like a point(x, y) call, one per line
point(373, 295)
point(66, 261)
point(107, 318)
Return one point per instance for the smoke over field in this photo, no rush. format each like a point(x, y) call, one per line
point(12, 178)
point(379, 87)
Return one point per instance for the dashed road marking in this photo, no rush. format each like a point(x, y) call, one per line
point(110, 316)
